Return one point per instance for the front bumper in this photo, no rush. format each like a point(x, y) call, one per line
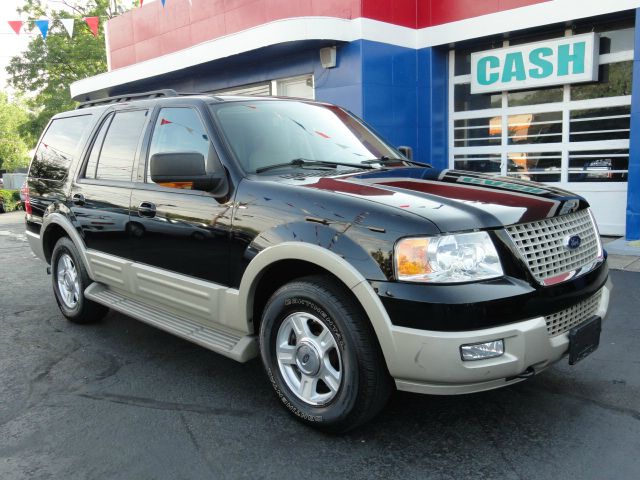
point(429, 361)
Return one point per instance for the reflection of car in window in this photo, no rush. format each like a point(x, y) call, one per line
point(289, 230)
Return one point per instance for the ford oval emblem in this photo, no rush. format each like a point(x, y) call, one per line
point(572, 242)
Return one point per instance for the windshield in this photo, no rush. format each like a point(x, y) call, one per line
point(264, 133)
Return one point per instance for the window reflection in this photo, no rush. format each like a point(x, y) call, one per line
point(599, 166)
point(486, 163)
point(535, 128)
point(535, 166)
point(591, 124)
point(614, 80)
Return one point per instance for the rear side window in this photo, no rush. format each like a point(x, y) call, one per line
point(58, 147)
point(115, 146)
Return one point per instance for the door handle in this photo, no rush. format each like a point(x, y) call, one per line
point(147, 209)
point(78, 199)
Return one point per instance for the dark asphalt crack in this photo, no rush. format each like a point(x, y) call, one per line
point(163, 405)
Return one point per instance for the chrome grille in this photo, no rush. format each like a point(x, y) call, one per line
point(565, 320)
point(541, 244)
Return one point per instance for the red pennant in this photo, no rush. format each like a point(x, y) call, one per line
point(16, 25)
point(164, 121)
point(141, 2)
point(93, 24)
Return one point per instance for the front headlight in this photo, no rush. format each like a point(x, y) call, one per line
point(464, 257)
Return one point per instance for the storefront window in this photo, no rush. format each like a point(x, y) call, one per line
point(488, 163)
point(611, 123)
point(614, 79)
point(535, 166)
point(464, 100)
point(616, 41)
point(477, 132)
point(535, 128)
point(534, 97)
point(599, 166)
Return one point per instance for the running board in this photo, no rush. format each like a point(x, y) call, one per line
point(225, 341)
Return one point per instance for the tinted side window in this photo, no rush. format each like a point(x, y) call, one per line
point(178, 130)
point(58, 147)
point(120, 145)
point(92, 163)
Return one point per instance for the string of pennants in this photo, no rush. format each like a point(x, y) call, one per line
point(43, 25)
point(68, 23)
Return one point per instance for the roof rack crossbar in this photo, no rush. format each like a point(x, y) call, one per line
point(131, 96)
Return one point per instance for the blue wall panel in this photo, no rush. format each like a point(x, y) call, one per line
point(633, 195)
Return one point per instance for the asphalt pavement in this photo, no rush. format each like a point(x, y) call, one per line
point(122, 400)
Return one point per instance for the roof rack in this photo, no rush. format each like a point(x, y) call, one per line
point(132, 96)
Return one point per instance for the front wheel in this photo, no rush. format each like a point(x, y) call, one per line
point(321, 355)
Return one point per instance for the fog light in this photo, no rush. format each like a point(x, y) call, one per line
point(480, 351)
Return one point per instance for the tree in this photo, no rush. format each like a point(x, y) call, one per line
point(13, 149)
point(47, 68)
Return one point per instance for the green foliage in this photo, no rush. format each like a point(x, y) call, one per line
point(10, 199)
point(47, 68)
point(13, 149)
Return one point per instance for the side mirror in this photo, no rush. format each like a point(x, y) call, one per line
point(406, 151)
point(184, 167)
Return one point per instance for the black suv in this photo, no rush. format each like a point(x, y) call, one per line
point(288, 229)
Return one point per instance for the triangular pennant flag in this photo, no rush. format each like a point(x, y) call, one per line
point(15, 25)
point(164, 121)
point(43, 26)
point(93, 24)
point(68, 23)
point(141, 2)
point(163, 2)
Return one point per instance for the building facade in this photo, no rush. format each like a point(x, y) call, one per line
point(544, 90)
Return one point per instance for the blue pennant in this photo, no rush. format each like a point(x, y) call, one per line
point(43, 26)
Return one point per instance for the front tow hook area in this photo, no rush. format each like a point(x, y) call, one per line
point(528, 373)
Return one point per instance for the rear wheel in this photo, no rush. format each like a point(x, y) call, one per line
point(321, 355)
point(70, 278)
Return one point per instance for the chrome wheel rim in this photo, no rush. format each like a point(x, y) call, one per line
point(68, 282)
point(309, 358)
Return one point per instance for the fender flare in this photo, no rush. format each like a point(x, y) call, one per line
point(60, 220)
point(333, 263)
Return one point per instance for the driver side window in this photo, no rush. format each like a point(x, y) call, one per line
point(178, 130)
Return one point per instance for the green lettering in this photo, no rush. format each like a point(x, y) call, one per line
point(484, 64)
point(544, 67)
point(513, 67)
point(576, 58)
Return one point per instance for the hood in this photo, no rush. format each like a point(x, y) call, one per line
point(453, 200)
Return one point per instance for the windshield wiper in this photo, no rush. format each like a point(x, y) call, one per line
point(386, 160)
point(303, 162)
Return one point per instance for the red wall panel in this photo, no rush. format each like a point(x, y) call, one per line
point(152, 30)
point(443, 11)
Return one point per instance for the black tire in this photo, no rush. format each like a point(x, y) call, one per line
point(365, 383)
point(84, 310)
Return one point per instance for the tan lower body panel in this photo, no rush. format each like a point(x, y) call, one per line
point(205, 302)
point(429, 362)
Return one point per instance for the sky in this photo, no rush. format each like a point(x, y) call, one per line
point(12, 44)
